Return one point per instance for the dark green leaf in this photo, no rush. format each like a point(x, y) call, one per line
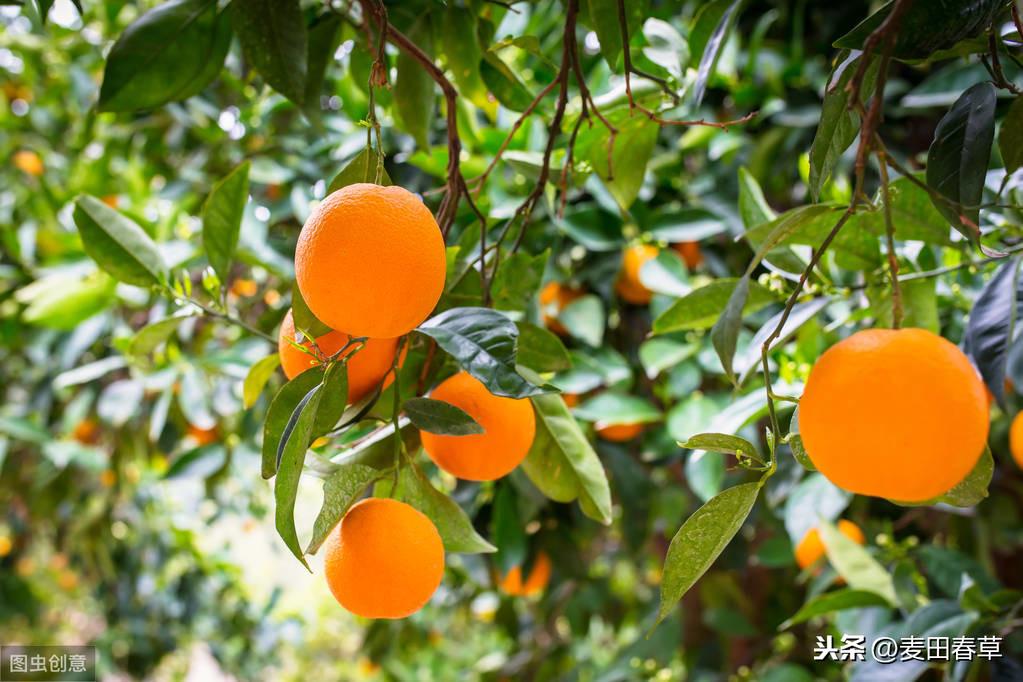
point(584, 319)
point(483, 342)
point(753, 207)
point(324, 37)
point(1010, 136)
point(152, 335)
point(602, 15)
point(275, 41)
point(633, 146)
point(992, 324)
point(362, 168)
point(169, 53)
point(279, 414)
point(117, 244)
point(340, 491)
point(222, 219)
point(700, 541)
point(541, 350)
point(707, 38)
point(721, 442)
point(462, 49)
point(517, 280)
point(295, 442)
point(958, 157)
point(413, 89)
point(333, 398)
point(508, 530)
point(503, 83)
point(437, 416)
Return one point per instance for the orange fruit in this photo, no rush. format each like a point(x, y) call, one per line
point(571, 399)
point(618, 433)
point(28, 162)
point(111, 200)
point(384, 560)
point(244, 287)
point(554, 297)
point(508, 429)
point(202, 436)
point(86, 432)
point(512, 584)
point(1016, 439)
point(370, 261)
point(811, 548)
point(690, 252)
point(628, 285)
point(366, 368)
point(899, 414)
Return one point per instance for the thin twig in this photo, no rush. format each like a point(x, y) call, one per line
point(893, 258)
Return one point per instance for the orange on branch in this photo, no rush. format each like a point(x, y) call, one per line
point(202, 436)
point(366, 368)
point(370, 261)
point(690, 253)
point(553, 298)
point(894, 414)
point(628, 285)
point(86, 432)
point(618, 433)
point(811, 548)
point(511, 584)
point(1016, 439)
point(27, 161)
point(384, 560)
point(508, 429)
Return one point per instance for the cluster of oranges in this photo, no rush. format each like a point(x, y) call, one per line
point(385, 558)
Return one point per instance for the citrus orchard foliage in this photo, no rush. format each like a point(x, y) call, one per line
point(576, 311)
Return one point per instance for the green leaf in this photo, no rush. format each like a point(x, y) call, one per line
point(462, 49)
point(585, 320)
point(700, 541)
point(1010, 136)
point(927, 27)
point(152, 335)
point(563, 464)
point(725, 332)
point(324, 36)
point(855, 564)
point(257, 377)
point(275, 41)
point(413, 89)
point(958, 157)
point(721, 442)
point(508, 530)
point(222, 219)
point(118, 244)
point(541, 350)
point(437, 416)
point(602, 15)
point(362, 168)
point(504, 84)
point(63, 301)
point(633, 146)
point(612, 407)
point(665, 274)
point(333, 398)
point(518, 279)
point(701, 307)
point(279, 414)
point(830, 602)
point(659, 354)
point(753, 207)
point(707, 38)
point(453, 524)
point(483, 342)
point(305, 321)
point(913, 213)
point(839, 123)
point(169, 53)
point(340, 491)
point(296, 441)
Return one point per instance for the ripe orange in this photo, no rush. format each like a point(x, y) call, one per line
point(811, 548)
point(111, 200)
point(365, 368)
point(508, 429)
point(202, 436)
point(370, 261)
point(28, 161)
point(6, 545)
point(571, 399)
point(86, 432)
point(554, 297)
point(618, 433)
point(244, 288)
point(690, 252)
point(384, 560)
point(628, 285)
point(894, 414)
point(1016, 439)
point(512, 584)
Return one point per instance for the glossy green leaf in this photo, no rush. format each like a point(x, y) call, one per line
point(437, 416)
point(275, 40)
point(707, 38)
point(341, 490)
point(324, 36)
point(279, 414)
point(333, 398)
point(452, 522)
point(222, 219)
point(700, 541)
point(295, 442)
point(700, 308)
point(612, 407)
point(169, 53)
point(63, 301)
point(584, 318)
point(152, 335)
point(725, 332)
point(118, 244)
point(602, 15)
point(958, 157)
point(541, 350)
point(518, 279)
point(414, 90)
point(632, 149)
point(483, 343)
point(503, 83)
point(461, 46)
point(362, 168)
point(722, 443)
point(830, 602)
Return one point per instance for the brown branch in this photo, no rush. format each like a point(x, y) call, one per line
point(995, 68)
point(893, 259)
point(623, 23)
point(1016, 19)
